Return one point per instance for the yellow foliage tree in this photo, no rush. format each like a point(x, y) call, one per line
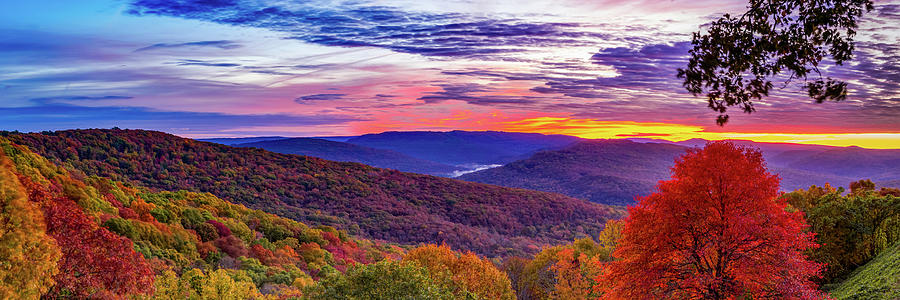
point(28, 257)
point(195, 284)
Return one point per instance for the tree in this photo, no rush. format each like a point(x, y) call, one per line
point(862, 186)
point(94, 260)
point(383, 280)
point(27, 254)
point(565, 271)
point(573, 275)
point(734, 62)
point(852, 229)
point(466, 272)
point(194, 284)
point(714, 231)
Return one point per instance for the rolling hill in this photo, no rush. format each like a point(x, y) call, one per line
point(464, 147)
point(88, 237)
point(235, 141)
point(615, 171)
point(602, 171)
point(338, 151)
point(369, 202)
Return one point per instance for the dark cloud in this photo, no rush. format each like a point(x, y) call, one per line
point(649, 68)
point(195, 62)
point(429, 34)
point(222, 44)
point(466, 92)
point(319, 97)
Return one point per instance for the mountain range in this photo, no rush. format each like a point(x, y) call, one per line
point(615, 171)
point(338, 151)
point(447, 154)
point(602, 171)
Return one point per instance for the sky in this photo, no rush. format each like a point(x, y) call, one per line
point(234, 68)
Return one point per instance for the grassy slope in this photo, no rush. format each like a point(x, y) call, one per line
point(878, 279)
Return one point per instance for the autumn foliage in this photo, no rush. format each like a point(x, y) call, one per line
point(72, 236)
point(28, 256)
point(466, 273)
point(377, 203)
point(717, 230)
point(714, 231)
point(94, 259)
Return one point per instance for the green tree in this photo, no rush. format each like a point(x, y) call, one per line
point(851, 229)
point(388, 280)
point(862, 186)
point(195, 284)
point(735, 61)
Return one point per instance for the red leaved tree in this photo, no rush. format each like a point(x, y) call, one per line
point(95, 261)
point(714, 231)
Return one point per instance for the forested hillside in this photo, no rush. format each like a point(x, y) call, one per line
point(371, 202)
point(67, 236)
point(602, 171)
point(464, 147)
point(845, 241)
point(90, 237)
point(339, 151)
point(615, 171)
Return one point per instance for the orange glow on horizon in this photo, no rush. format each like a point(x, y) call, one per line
point(594, 129)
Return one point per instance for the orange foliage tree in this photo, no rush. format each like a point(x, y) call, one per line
point(466, 273)
point(573, 274)
point(578, 264)
point(714, 231)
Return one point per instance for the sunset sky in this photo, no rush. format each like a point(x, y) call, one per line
point(591, 68)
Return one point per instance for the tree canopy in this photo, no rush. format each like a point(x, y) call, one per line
point(714, 231)
point(738, 57)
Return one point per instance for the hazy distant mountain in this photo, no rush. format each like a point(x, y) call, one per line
point(603, 171)
point(855, 162)
point(235, 141)
point(614, 171)
point(338, 151)
point(464, 147)
point(447, 154)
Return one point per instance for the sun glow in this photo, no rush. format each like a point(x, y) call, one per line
point(594, 129)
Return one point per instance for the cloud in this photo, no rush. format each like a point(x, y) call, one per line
point(466, 92)
point(76, 98)
point(651, 68)
point(319, 97)
point(348, 25)
point(222, 44)
point(195, 62)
